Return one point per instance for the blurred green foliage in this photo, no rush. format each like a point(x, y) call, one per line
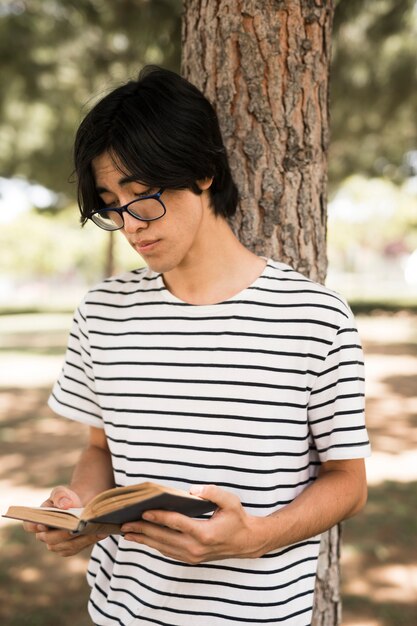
point(374, 213)
point(34, 245)
point(372, 231)
point(57, 56)
point(373, 89)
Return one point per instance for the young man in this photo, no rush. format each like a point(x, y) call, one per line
point(212, 370)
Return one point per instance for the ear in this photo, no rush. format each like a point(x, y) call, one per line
point(204, 183)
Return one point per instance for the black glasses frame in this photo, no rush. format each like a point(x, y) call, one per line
point(125, 209)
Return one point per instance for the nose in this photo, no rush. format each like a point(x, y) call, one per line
point(132, 225)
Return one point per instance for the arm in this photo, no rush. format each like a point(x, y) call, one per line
point(92, 475)
point(93, 472)
point(339, 492)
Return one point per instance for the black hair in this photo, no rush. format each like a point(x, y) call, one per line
point(163, 131)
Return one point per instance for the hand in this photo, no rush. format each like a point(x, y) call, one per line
point(61, 541)
point(229, 533)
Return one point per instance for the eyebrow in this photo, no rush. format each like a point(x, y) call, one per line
point(122, 182)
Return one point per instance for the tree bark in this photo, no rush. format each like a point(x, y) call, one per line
point(264, 65)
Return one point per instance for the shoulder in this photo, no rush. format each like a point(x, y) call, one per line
point(298, 288)
point(126, 282)
point(124, 287)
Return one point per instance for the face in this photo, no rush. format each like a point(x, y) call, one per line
point(170, 242)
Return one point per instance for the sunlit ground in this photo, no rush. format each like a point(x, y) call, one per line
point(379, 560)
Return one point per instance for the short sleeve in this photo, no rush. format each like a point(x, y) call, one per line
point(336, 410)
point(74, 394)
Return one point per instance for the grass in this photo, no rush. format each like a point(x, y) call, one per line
point(380, 306)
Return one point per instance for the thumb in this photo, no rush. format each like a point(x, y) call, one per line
point(223, 499)
point(65, 498)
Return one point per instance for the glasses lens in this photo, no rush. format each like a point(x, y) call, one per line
point(147, 209)
point(109, 220)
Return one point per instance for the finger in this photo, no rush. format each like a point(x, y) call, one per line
point(221, 497)
point(73, 545)
point(173, 545)
point(65, 498)
point(168, 549)
point(54, 537)
point(155, 521)
point(161, 539)
point(170, 519)
point(162, 534)
point(31, 527)
point(48, 502)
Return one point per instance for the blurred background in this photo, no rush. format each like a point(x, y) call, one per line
point(54, 55)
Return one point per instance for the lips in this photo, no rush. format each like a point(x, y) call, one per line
point(145, 245)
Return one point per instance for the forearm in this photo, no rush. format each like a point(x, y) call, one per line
point(93, 473)
point(336, 495)
point(231, 532)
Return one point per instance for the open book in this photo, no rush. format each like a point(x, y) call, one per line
point(114, 507)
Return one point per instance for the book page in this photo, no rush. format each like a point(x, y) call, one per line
point(74, 512)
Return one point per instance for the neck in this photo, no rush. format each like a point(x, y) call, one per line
point(219, 267)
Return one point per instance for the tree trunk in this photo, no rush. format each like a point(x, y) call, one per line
point(265, 67)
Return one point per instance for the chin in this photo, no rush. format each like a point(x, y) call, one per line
point(161, 266)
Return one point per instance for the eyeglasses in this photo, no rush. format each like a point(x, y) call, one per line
point(145, 208)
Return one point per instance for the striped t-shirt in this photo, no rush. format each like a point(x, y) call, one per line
point(250, 394)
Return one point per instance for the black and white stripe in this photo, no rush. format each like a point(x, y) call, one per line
point(250, 394)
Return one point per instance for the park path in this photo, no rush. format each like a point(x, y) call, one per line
point(379, 557)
